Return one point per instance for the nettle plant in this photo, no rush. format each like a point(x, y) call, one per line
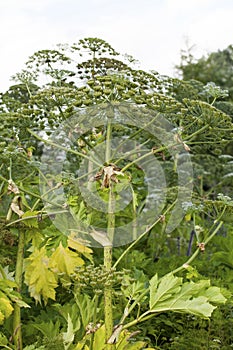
point(93, 163)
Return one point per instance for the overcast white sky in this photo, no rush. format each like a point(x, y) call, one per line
point(153, 31)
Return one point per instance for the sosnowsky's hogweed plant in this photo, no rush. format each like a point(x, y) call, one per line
point(98, 158)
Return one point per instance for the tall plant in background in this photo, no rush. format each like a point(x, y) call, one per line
point(106, 88)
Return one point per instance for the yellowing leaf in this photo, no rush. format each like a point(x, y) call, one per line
point(81, 346)
point(123, 342)
point(39, 278)
point(75, 244)
point(63, 260)
point(1, 317)
point(5, 307)
point(139, 345)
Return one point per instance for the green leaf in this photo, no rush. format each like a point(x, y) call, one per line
point(81, 346)
point(29, 220)
point(8, 296)
point(197, 306)
point(153, 288)
point(68, 336)
point(5, 305)
point(49, 329)
point(16, 298)
point(174, 295)
point(224, 258)
point(70, 310)
point(133, 290)
point(167, 286)
point(214, 295)
point(86, 308)
point(5, 284)
point(35, 237)
point(3, 340)
point(99, 339)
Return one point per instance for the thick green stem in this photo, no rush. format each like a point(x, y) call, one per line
point(108, 315)
point(17, 333)
point(108, 265)
point(108, 142)
point(134, 222)
point(108, 299)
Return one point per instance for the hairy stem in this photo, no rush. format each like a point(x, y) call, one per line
point(17, 333)
point(108, 314)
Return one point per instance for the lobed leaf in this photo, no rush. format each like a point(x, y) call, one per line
point(171, 294)
point(63, 260)
point(39, 278)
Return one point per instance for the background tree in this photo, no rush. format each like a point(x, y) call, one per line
point(215, 67)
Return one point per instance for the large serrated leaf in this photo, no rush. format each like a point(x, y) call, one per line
point(79, 246)
point(40, 280)
point(197, 306)
point(167, 286)
point(214, 295)
point(63, 260)
point(6, 307)
point(86, 307)
point(171, 294)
